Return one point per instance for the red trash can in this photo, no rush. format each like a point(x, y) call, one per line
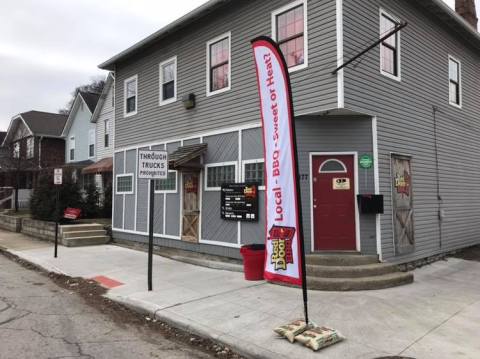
point(253, 261)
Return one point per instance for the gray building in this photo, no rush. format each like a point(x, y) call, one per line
point(400, 122)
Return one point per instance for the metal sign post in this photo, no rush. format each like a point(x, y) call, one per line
point(57, 181)
point(152, 165)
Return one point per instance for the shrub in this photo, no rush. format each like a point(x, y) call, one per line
point(90, 206)
point(107, 202)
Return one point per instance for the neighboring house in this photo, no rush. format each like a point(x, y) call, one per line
point(103, 119)
point(410, 106)
point(79, 135)
point(33, 144)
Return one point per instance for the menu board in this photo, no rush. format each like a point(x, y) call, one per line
point(239, 202)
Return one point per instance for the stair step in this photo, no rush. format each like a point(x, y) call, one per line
point(340, 259)
point(85, 241)
point(364, 283)
point(80, 227)
point(366, 270)
point(86, 233)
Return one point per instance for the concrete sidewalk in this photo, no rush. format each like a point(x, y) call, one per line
point(436, 317)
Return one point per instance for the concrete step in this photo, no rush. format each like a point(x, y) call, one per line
point(359, 271)
point(80, 227)
point(363, 283)
point(340, 259)
point(89, 233)
point(85, 241)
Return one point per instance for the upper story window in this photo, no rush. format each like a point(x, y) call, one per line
point(168, 81)
point(72, 148)
point(131, 90)
point(218, 64)
point(389, 48)
point(218, 174)
point(16, 150)
point(289, 28)
point(455, 80)
point(107, 133)
point(30, 147)
point(91, 143)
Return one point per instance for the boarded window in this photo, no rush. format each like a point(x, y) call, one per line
point(218, 175)
point(402, 204)
point(290, 28)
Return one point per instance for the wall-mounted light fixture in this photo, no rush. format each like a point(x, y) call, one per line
point(189, 101)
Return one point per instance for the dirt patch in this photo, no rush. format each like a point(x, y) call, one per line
point(92, 293)
point(469, 254)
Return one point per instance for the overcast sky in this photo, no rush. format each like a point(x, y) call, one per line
point(49, 47)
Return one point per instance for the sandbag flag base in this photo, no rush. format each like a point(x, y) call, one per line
point(285, 254)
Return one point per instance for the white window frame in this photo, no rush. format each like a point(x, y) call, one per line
point(109, 121)
point(30, 147)
point(116, 183)
point(70, 148)
point(130, 79)
point(91, 135)
point(170, 190)
point(283, 9)
point(246, 162)
point(160, 67)
point(210, 42)
point(219, 164)
point(460, 82)
point(399, 46)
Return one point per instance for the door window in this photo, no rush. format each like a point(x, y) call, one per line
point(332, 166)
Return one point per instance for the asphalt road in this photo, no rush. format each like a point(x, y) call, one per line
point(40, 320)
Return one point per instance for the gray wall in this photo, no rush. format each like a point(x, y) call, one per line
point(406, 125)
point(314, 88)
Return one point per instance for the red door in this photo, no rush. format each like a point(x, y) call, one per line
point(334, 203)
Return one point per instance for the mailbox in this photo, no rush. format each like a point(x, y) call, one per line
point(370, 203)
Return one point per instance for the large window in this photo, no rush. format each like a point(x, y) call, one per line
point(30, 147)
point(131, 89)
point(91, 143)
point(168, 185)
point(218, 174)
point(168, 81)
point(389, 48)
point(72, 148)
point(455, 80)
point(289, 30)
point(16, 150)
point(218, 63)
point(253, 172)
point(107, 133)
point(124, 184)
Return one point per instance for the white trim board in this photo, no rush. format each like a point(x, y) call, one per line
point(356, 192)
point(376, 174)
point(340, 56)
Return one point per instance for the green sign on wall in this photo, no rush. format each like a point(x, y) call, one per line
point(366, 162)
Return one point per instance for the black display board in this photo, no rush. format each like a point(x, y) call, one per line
point(239, 202)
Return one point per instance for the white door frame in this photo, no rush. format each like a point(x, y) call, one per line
point(357, 216)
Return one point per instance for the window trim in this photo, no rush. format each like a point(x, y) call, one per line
point(91, 135)
point(16, 149)
point(460, 82)
point(130, 79)
point(162, 102)
point(399, 47)
point(32, 154)
point(116, 183)
point(286, 8)
point(209, 43)
point(246, 162)
point(70, 148)
point(170, 190)
point(345, 170)
point(106, 133)
point(219, 164)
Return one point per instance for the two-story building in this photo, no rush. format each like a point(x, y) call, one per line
point(401, 121)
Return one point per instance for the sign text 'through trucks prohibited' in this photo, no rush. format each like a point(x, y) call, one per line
point(152, 164)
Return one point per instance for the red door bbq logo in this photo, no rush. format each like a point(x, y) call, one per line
point(282, 253)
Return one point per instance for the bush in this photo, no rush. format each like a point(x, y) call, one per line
point(107, 202)
point(43, 200)
point(91, 208)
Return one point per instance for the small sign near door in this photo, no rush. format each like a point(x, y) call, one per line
point(341, 184)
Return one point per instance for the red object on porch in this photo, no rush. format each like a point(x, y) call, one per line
point(253, 261)
point(72, 213)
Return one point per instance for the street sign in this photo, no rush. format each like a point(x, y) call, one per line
point(57, 176)
point(366, 162)
point(152, 164)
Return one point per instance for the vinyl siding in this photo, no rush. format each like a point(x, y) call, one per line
point(406, 125)
point(80, 129)
point(106, 113)
point(314, 88)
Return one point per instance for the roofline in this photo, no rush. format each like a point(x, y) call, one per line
point(458, 18)
point(108, 84)
point(182, 21)
point(19, 116)
point(79, 94)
